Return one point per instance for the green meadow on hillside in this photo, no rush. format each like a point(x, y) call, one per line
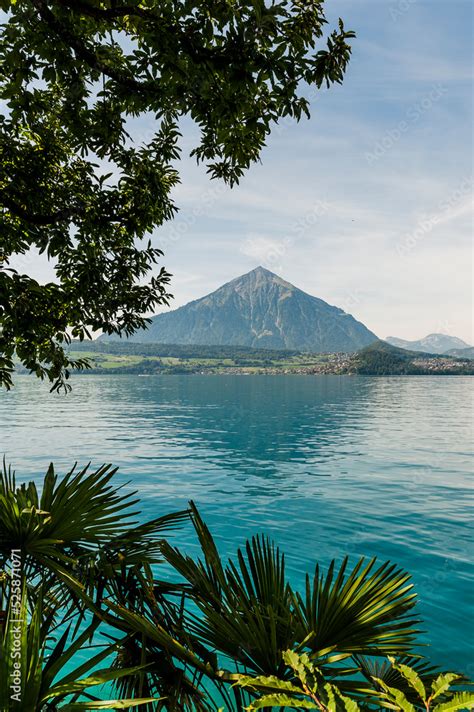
point(161, 359)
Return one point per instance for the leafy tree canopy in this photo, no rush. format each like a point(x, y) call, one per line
point(80, 186)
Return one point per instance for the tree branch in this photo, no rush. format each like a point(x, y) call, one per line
point(34, 218)
point(200, 54)
point(111, 13)
point(87, 55)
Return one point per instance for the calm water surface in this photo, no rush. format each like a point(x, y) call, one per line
point(326, 465)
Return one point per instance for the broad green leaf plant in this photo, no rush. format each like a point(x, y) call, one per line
point(437, 697)
point(308, 688)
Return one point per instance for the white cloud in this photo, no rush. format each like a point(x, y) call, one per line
point(263, 249)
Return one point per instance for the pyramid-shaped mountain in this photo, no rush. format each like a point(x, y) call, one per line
point(260, 310)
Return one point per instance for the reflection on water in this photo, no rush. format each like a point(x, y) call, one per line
point(326, 465)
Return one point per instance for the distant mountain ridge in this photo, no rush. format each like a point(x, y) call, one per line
point(461, 353)
point(433, 343)
point(259, 310)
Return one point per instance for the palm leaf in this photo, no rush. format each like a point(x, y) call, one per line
point(249, 612)
point(245, 607)
point(363, 611)
point(108, 704)
point(99, 677)
point(81, 525)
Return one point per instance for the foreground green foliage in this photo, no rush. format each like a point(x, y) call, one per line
point(84, 604)
point(34, 657)
point(84, 185)
point(77, 546)
point(80, 526)
point(310, 689)
point(250, 613)
point(438, 697)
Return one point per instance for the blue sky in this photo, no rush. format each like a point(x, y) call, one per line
point(368, 204)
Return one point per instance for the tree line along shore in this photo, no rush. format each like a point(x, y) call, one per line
point(168, 359)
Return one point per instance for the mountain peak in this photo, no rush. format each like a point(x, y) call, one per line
point(261, 310)
point(433, 343)
point(262, 270)
point(260, 276)
point(258, 272)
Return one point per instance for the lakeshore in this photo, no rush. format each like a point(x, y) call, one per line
point(156, 359)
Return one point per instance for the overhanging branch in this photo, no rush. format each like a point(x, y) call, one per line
point(110, 13)
point(83, 52)
point(38, 219)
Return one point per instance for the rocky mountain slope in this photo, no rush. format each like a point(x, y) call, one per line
point(260, 310)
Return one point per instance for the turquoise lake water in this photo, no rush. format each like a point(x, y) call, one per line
point(326, 465)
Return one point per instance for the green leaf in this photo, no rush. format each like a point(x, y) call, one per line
point(459, 701)
point(97, 678)
point(348, 704)
point(396, 696)
point(411, 677)
point(442, 683)
point(280, 701)
point(300, 664)
point(271, 682)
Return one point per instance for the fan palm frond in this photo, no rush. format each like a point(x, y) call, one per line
point(81, 525)
point(37, 664)
point(249, 613)
point(245, 608)
point(366, 610)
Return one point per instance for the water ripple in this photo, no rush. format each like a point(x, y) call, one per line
point(326, 465)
